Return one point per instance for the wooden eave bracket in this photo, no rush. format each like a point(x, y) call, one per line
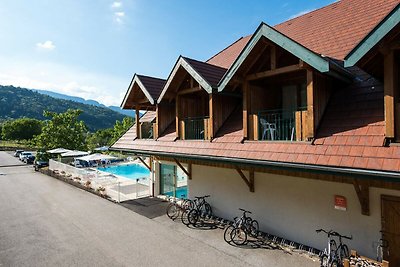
point(144, 163)
point(249, 182)
point(188, 172)
point(362, 190)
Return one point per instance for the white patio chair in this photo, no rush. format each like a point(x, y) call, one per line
point(268, 127)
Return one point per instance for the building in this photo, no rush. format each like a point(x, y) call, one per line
point(298, 123)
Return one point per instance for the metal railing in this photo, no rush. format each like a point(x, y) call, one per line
point(146, 130)
point(277, 124)
point(115, 187)
point(194, 128)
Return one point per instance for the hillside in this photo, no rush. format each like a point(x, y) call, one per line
point(129, 113)
point(18, 102)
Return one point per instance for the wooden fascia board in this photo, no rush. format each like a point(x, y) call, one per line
point(375, 36)
point(144, 90)
point(128, 92)
point(136, 79)
point(196, 76)
point(314, 60)
point(181, 62)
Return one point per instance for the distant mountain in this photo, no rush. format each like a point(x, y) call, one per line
point(129, 113)
point(16, 102)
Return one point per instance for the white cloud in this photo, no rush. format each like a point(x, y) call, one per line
point(48, 45)
point(301, 13)
point(116, 4)
point(118, 16)
point(103, 88)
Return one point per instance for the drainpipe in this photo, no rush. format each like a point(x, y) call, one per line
point(153, 177)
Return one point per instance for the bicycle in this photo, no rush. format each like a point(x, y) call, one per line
point(174, 209)
point(200, 208)
point(243, 226)
point(328, 257)
point(342, 250)
point(379, 249)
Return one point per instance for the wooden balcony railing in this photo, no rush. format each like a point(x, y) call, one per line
point(195, 128)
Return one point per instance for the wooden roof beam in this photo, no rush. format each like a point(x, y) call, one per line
point(269, 73)
point(362, 190)
point(249, 182)
point(188, 172)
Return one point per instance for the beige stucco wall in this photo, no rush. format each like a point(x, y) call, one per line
point(292, 207)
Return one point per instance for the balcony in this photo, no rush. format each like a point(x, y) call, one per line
point(195, 128)
point(281, 125)
point(146, 130)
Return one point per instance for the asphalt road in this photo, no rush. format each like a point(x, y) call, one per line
point(45, 222)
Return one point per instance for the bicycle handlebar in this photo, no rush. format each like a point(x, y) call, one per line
point(245, 211)
point(203, 196)
point(332, 233)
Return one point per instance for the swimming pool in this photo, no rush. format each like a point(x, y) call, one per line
point(130, 171)
point(181, 192)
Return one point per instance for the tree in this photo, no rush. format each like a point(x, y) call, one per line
point(100, 138)
point(121, 127)
point(63, 130)
point(21, 129)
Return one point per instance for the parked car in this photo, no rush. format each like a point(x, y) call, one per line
point(24, 154)
point(18, 152)
point(29, 159)
point(40, 164)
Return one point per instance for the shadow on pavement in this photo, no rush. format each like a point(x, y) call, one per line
point(150, 207)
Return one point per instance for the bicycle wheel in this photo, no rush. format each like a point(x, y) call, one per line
point(344, 252)
point(188, 204)
point(172, 211)
point(207, 211)
point(238, 236)
point(193, 217)
point(227, 233)
point(334, 263)
point(184, 218)
point(324, 260)
point(254, 228)
point(333, 245)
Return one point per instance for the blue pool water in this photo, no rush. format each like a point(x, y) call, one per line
point(130, 171)
point(181, 192)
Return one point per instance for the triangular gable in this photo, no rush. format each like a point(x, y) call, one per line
point(150, 86)
point(206, 75)
point(374, 37)
point(314, 60)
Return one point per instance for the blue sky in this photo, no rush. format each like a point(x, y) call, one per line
point(91, 48)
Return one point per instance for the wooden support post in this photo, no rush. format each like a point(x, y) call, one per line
point(310, 105)
point(255, 127)
point(246, 107)
point(187, 172)
point(155, 129)
point(182, 127)
point(362, 190)
point(137, 121)
point(211, 115)
point(249, 182)
point(389, 92)
point(273, 57)
point(144, 163)
point(177, 117)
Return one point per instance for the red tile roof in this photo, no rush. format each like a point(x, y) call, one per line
point(336, 29)
point(226, 57)
point(153, 85)
point(332, 31)
point(211, 73)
